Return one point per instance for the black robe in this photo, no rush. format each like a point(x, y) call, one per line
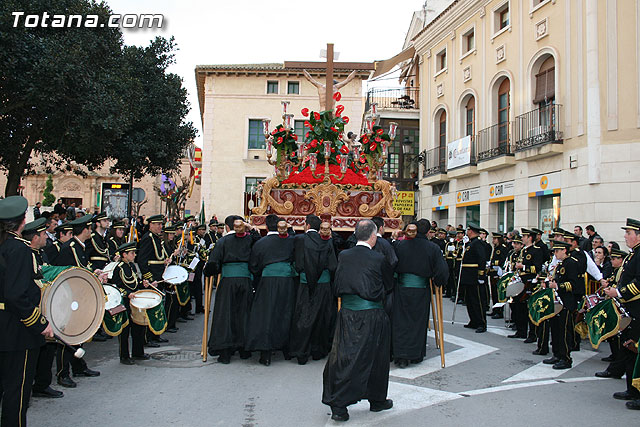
point(315, 311)
point(358, 365)
point(233, 294)
point(423, 258)
point(272, 309)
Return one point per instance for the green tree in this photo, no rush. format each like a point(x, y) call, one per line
point(48, 198)
point(61, 89)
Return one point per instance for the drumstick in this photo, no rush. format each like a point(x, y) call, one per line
point(156, 289)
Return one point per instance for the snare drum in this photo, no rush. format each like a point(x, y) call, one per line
point(113, 302)
point(140, 302)
point(591, 301)
point(515, 287)
point(175, 274)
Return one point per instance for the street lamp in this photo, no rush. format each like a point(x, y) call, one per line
point(406, 145)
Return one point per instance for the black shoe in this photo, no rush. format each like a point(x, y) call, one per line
point(625, 395)
point(516, 336)
point(286, 355)
point(497, 316)
point(416, 361)
point(127, 361)
point(634, 404)
point(469, 326)
point(48, 392)
point(576, 348)
point(402, 363)
point(161, 339)
point(607, 374)
point(551, 361)
point(199, 310)
point(225, 359)
point(341, 414)
point(144, 356)
point(67, 382)
point(171, 330)
point(317, 356)
point(99, 338)
point(380, 406)
point(152, 344)
point(563, 364)
point(481, 329)
point(529, 340)
point(245, 354)
point(87, 373)
point(181, 320)
point(265, 358)
point(609, 358)
point(302, 360)
point(539, 352)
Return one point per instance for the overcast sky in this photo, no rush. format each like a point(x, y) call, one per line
point(255, 31)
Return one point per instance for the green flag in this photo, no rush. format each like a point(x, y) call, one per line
point(541, 306)
point(202, 218)
point(502, 286)
point(183, 293)
point(50, 272)
point(113, 325)
point(157, 319)
point(603, 321)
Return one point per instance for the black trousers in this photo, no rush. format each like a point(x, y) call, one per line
point(137, 340)
point(43, 374)
point(562, 334)
point(476, 298)
point(64, 358)
point(173, 309)
point(628, 357)
point(452, 282)
point(17, 370)
point(542, 332)
point(617, 366)
point(195, 288)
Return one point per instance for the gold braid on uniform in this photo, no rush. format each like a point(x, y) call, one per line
point(133, 280)
point(103, 252)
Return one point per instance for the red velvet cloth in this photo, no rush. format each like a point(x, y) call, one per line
point(305, 176)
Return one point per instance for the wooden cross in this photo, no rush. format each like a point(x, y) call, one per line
point(329, 78)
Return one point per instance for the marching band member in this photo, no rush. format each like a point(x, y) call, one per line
point(64, 233)
point(116, 238)
point(97, 249)
point(472, 279)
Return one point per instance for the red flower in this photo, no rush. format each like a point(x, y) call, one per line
point(339, 159)
point(273, 132)
point(334, 129)
point(316, 116)
point(345, 119)
point(293, 154)
point(378, 139)
point(314, 143)
point(333, 150)
point(279, 140)
point(373, 146)
point(307, 124)
point(339, 110)
point(305, 112)
point(295, 137)
point(362, 159)
point(306, 135)
point(365, 139)
point(379, 131)
point(344, 149)
point(337, 96)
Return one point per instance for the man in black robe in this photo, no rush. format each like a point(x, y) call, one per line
point(272, 309)
point(358, 365)
point(230, 259)
point(419, 261)
point(315, 310)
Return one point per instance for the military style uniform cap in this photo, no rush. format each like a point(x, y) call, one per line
point(201, 227)
point(482, 230)
point(170, 229)
point(117, 224)
point(570, 235)
point(127, 247)
point(213, 222)
point(537, 230)
point(474, 227)
point(13, 208)
point(441, 230)
point(35, 226)
point(617, 253)
point(100, 216)
point(559, 244)
point(189, 218)
point(527, 231)
point(64, 227)
point(155, 218)
point(497, 234)
point(460, 230)
point(632, 224)
point(83, 220)
point(220, 224)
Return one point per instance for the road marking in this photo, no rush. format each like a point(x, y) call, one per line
point(525, 385)
point(541, 370)
point(470, 350)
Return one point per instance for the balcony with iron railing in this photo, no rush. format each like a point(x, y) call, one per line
point(398, 99)
point(435, 165)
point(538, 133)
point(495, 146)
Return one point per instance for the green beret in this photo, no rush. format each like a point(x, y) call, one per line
point(156, 218)
point(13, 208)
point(127, 247)
point(35, 227)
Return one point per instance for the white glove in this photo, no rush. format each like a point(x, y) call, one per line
point(465, 239)
point(481, 282)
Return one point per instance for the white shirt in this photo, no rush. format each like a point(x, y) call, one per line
point(363, 244)
point(270, 233)
point(593, 269)
point(51, 236)
point(310, 230)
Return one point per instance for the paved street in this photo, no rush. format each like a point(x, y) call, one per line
point(489, 380)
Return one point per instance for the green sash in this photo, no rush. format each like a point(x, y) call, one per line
point(603, 321)
point(541, 306)
point(502, 287)
point(157, 319)
point(113, 325)
point(325, 277)
point(355, 303)
point(183, 293)
point(408, 280)
point(236, 269)
point(278, 269)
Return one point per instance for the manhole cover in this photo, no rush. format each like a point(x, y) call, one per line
point(176, 355)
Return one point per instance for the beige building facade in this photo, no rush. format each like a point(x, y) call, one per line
point(530, 113)
point(234, 99)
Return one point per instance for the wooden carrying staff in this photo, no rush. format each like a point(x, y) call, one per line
point(208, 291)
point(436, 292)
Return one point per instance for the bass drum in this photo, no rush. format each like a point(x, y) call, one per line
point(74, 305)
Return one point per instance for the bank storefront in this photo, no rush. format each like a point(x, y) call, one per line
point(546, 189)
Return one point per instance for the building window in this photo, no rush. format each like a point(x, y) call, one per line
point(272, 86)
point(293, 88)
point(251, 183)
point(545, 82)
point(505, 216)
point(470, 110)
point(442, 129)
point(298, 129)
point(468, 41)
point(256, 137)
point(441, 61)
point(503, 112)
point(501, 17)
point(472, 215)
point(548, 214)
